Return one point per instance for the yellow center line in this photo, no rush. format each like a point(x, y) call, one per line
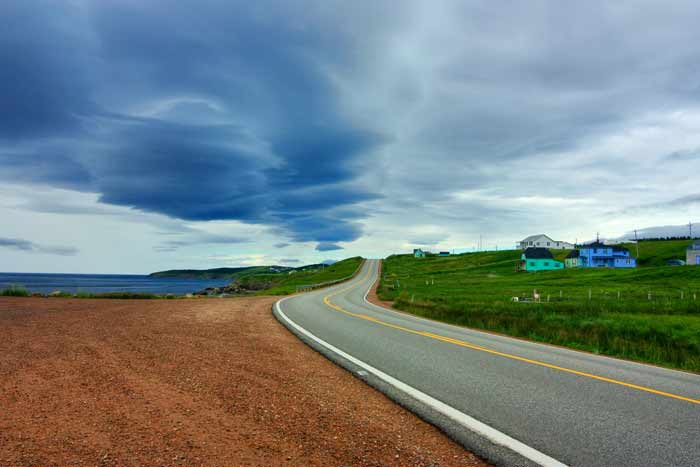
point(469, 345)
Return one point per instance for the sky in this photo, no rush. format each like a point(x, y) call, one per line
point(140, 136)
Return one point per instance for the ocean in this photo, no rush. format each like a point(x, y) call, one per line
point(101, 283)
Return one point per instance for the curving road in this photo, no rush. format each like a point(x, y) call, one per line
point(510, 401)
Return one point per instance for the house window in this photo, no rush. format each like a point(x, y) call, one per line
point(532, 263)
point(546, 263)
point(547, 243)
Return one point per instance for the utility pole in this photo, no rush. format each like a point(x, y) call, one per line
point(636, 242)
point(690, 230)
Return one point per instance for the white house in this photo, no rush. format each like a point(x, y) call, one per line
point(543, 241)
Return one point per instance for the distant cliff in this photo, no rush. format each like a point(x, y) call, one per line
point(218, 273)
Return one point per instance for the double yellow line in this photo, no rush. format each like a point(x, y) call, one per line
point(449, 340)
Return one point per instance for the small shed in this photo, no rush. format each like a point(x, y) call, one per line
point(418, 253)
point(572, 259)
point(444, 253)
point(693, 254)
point(539, 259)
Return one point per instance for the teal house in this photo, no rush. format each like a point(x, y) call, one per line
point(539, 259)
point(418, 253)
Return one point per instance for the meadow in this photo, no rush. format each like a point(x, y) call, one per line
point(650, 314)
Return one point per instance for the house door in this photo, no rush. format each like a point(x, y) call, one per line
point(697, 259)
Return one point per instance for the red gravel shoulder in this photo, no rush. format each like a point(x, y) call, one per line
point(189, 382)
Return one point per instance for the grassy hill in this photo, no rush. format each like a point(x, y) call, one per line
point(218, 273)
point(284, 283)
point(651, 313)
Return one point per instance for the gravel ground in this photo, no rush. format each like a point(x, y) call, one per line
point(189, 382)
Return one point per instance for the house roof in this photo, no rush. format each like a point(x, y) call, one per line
point(603, 245)
point(533, 237)
point(573, 254)
point(596, 245)
point(538, 253)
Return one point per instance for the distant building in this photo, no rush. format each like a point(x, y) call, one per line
point(572, 260)
point(539, 259)
point(444, 253)
point(418, 253)
point(600, 255)
point(543, 241)
point(693, 254)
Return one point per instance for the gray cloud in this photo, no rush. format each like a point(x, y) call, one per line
point(685, 155)
point(28, 246)
point(326, 246)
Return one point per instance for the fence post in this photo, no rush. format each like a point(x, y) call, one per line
point(590, 294)
point(681, 295)
point(618, 294)
point(649, 295)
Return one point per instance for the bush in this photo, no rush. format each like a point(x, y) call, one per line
point(15, 291)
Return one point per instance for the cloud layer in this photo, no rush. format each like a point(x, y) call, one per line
point(355, 128)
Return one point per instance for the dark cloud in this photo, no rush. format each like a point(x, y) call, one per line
point(425, 240)
point(289, 261)
point(218, 114)
point(281, 245)
point(199, 238)
point(688, 200)
point(686, 155)
point(26, 245)
point(325, 246)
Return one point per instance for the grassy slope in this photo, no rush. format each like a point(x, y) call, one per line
point(219, 273)
point(284, 284)
point(475, 290)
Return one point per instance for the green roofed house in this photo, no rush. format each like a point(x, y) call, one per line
point(418, 253)
point(573, 259)
point(539, 259)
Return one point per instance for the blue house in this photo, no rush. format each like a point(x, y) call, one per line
point(418, 253)
point(599, 255)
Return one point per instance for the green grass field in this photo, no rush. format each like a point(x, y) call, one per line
point(285, 284)
point(650, 314)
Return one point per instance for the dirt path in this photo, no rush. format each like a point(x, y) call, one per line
point(188, 382)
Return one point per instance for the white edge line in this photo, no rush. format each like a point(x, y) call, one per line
point(455, 415)
point(535, 345)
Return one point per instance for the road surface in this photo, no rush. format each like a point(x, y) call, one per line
point(510, 401)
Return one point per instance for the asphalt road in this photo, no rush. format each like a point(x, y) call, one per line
point(569, 407)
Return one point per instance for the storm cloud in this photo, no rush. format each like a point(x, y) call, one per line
point(235, 122)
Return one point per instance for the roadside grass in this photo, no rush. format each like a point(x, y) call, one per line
point(15, 291)
point(285, 284)
point(650, 314)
